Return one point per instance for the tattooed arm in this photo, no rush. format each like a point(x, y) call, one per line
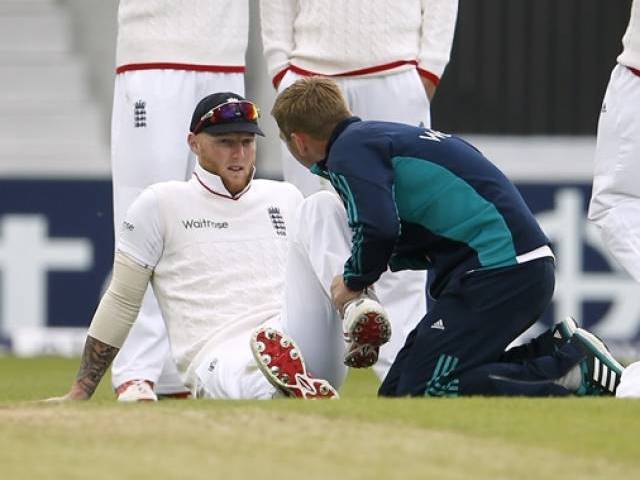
point(110, 325)
point(96, 358)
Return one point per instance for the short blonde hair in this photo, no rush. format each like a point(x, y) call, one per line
point(312, 105)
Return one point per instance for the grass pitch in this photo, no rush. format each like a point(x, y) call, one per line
point(359, 436)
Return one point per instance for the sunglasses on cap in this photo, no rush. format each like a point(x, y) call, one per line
point(228, 111)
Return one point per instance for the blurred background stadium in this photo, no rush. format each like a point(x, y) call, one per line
point(525, 85)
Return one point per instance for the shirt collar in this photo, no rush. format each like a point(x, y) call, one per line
point(213, 183)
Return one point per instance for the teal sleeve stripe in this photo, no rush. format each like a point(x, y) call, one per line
point(347, 195)
point(465, 216)
point(341, 184)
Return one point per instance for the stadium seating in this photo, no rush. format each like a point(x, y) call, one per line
point(50, 122)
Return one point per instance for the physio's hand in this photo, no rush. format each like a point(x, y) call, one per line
point(341, 294)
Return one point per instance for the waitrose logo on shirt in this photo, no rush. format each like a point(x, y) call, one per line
point(203, 223)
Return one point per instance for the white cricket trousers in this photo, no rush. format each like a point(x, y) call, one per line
point(150, 122)
point(396, 97)
point(615, 201)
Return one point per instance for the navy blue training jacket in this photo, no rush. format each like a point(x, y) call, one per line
point(421, 199)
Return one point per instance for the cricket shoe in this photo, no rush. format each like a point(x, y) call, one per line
point(183, 395)
point(366, 327)
point(564, 330)
point(601, 372)
point(279, 359)
point(136, 391)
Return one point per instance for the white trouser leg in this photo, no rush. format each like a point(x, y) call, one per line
point(317, 253)
point(615, 202)
point(397, 97)
point(231, 373)
point(403, 295)
point(145, 353)
point(141, 156)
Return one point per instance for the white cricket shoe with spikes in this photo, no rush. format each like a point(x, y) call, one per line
point(366, 327)
point(136, 391)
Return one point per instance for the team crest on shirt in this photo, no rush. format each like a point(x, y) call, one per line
point(277, 221)
point(140, 114)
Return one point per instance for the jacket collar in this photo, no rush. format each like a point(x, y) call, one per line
point(320, 168)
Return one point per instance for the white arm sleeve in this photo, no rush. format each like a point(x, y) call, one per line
point(120, 304)
point(141, 232)
point(438, 26)
point(276, 21)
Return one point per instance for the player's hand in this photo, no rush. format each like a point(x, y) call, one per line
point(75, 393)
point(341, 294)
point(429, 87)
point(64, 398)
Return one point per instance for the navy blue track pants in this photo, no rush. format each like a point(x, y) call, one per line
point(459, 346)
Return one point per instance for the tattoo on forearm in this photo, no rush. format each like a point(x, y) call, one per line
point(96, 358)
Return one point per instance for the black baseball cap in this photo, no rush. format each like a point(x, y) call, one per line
point(241, 115)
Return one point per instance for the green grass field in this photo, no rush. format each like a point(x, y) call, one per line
point(359, 436)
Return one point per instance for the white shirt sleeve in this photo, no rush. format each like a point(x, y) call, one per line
point(438, 26)
point(276, 21)
point(141, 233)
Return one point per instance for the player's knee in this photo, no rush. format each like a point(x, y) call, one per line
point(323, 208)
point(388, 388)
point(321, 202)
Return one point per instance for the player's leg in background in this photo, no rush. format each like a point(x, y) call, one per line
point(318, 250)
point(145, 354)
point(397, 97)
point(615, 201)
point(151, 114)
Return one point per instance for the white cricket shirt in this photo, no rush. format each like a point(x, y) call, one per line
point(218, 261)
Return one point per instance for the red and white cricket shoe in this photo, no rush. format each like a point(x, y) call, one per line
point(366, 328)
point(281, 362)
point(136, 391)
